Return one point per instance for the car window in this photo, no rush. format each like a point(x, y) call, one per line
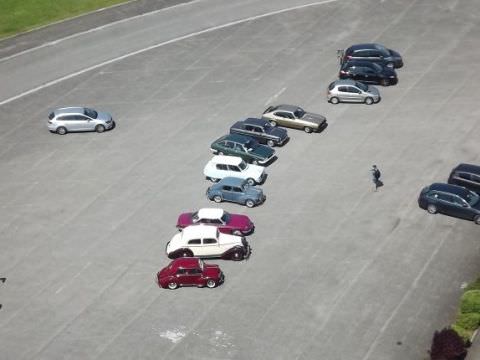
point(343, 89)
point(209, 241)
point(475, 178)
point(458, 201)
point(233, 168)
point(258, 129)
point(237, 189)
point(193, 271)
point(445, 197)
point(181, 271)
point(215, 221)
point(242, 165)
point(361, 86)
point(464, 176)
point(227, 188)
point(239, 147)
point(194, 242)
point(249, 128)
point(221, 167)
point(90, 113)
point(229, 144)
point(353, 90)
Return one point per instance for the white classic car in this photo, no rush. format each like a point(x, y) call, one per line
point(222, 166)
point(206, 241)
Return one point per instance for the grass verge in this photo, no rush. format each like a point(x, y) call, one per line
point(17, 16)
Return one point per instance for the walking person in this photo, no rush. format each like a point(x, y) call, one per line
point(376, 177)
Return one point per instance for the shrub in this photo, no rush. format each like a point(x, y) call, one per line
point(470, 302)
point(447, 345)
point(465, 334)
point(474, 285)
point(468, 321)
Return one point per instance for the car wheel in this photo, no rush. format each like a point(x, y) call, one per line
point(432, 209)
point(308, 129)
point(99, 128)
point(61, 130)
point(477, 219)
point(369, 101)
point(250, 181)
point(270, 143)
point(172, 285)
point(237, 255)
point(237, 232)
point(217, 198)
point(249, 203)
point(385, 82)
point(334, 100)
point(273, 123)
point(211, 283)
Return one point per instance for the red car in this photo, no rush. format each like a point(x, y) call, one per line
point(189, 271)
point(227, 223)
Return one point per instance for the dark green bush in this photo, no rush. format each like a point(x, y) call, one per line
point(474, 285)
point(468, 321)
point(465, 334)
point(470, 302)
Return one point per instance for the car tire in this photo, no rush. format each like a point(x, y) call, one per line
point(385, 82)
point(250, 181)
point(334, 100)
point(476, 219)
point(61, 130)
point(237, 232)
point(308, 129)
point(99, 128)
point(432, 209)
point(172, 285)
point(273, 123)
point(211, 283)
point(250, 203)
point(217, 199)
point(237, 255)
point(368, 101)
point(271, 143)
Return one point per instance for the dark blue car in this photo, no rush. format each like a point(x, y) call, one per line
point(261, 130)
point(452, 200)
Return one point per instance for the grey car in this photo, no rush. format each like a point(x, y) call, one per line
point(293, 116)
point(73, 119)
point(352, 91)
point(236, 190)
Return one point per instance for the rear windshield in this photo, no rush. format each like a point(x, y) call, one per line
point(331, 86)
point(361, 86)
point(91, 113)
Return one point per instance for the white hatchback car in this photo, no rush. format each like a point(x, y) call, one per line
point(207, 241)
point(222, 166)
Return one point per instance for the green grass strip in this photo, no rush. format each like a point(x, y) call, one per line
point(21, 15)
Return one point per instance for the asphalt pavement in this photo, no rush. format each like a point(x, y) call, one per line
point(337, 271)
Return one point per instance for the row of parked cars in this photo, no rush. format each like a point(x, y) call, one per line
point(459, 197)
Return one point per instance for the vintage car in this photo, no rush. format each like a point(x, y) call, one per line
point(207, 241)
point(189, 271)
point(221, 166)
point(236, 190)
point(243, 146)
point(226, 222)
point(294, 117)
point(261, 130)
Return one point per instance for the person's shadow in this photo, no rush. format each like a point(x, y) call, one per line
point(378, 183)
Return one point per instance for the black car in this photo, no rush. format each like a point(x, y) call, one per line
point(260, 130)
point(452, 200)
point(368, 72)
point(466, 175)
point(375, 53)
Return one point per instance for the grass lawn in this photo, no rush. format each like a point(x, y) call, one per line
point(21, 15)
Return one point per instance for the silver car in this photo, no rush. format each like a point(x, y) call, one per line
point(73, 119)
point(352, 91)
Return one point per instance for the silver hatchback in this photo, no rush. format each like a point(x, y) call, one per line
point(72, 119)
point(352, 91)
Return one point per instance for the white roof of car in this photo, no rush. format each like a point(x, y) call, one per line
point(208, 213)
point(227, 160)
point(199, 232)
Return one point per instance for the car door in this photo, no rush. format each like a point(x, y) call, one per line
point(235, 171)
point(195, 245)
point(242, 152)
point(227, 193)
point(353, 94)
point(445, 204)
point(259, 134)
point(221, 171)
point(71, 122)
point(228, 147)
point(238, 194)
point(461, 209)
point(283, 118)
point(85, 123)
point(211, 247)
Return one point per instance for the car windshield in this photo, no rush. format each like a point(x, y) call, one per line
point(299, 113)
point(361, 86)
point(377, 67)
point(472, 198)
point(226, 217)
point(242, 165)
point(250, 145)
point(90, 113)
point(383, 49)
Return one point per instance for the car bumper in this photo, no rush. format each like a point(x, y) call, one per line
point(110, 125)
point(321, 126)
point(283, 141)
point(261, 200)
point(266, 161)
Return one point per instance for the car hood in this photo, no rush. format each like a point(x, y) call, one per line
point(253, 191)
point(395, 54)
point(278, 132)
point(254, 171)
point(389, 72)
point(240, 221)
point(175, 242)
point(164, 272)
point(211, 270)
point(184, 220)
point(227, 239)
point(314, 118)
point(262, 151)
point(103, 116)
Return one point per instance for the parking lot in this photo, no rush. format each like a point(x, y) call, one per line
point(337, 271)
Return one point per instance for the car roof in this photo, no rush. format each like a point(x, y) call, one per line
point(359, 63)
point(363, 46)
point(254, 121)
point(345, 82)
point(210, 213)
point(185, 263)
point(468, 168)
point(227, 160)
point(236, 138)
point(70, 110)
point(286, 107)
point(199, 231)
point(232, 181)
point(449, 188)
